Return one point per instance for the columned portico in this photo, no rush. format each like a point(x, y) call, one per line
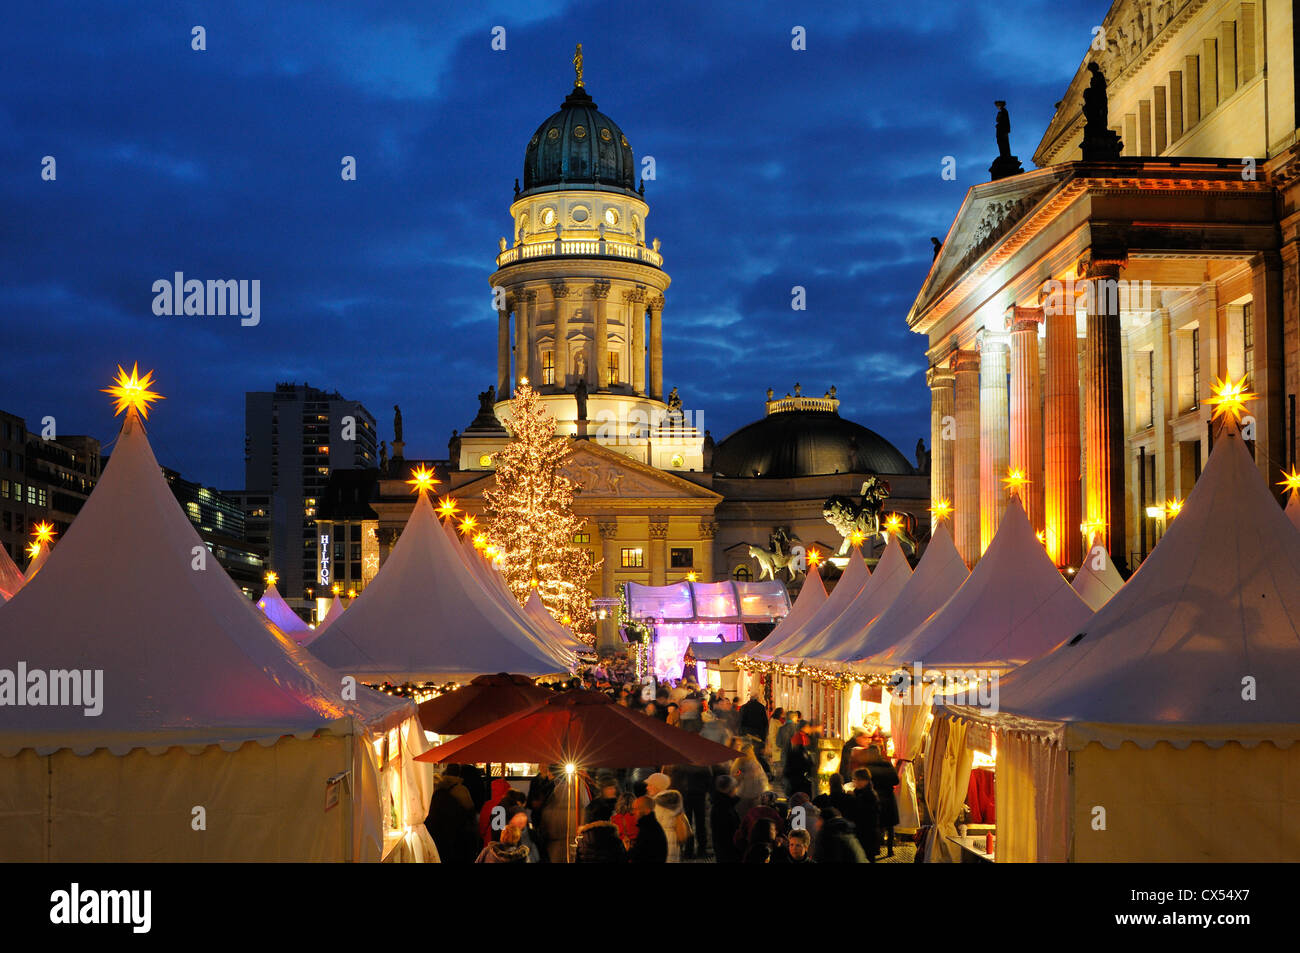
point(656, 348)
point(966, 456)
point(1026, 453)
point(994, 432)
point(942, 434)
point(1063, 512)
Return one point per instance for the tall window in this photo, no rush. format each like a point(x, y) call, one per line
point(613, 367)
point(1248, 335)
point(548, 367)
point(1196, 369)
point(633, 558)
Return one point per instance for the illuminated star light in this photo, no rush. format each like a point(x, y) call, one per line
point(132, 392)
point(1016, 480)
point(814, 557)
point(447, 507)
point(480, 541)
point(894, 523)
point(336, 588)
point(33, 550)
point(1091, 528)
point(422, 479)
point(856, 538)
point(1173, 507)
point(467, 524)
point(942, 509)
point(1229, 400)
point(1291, 481)
point(271, 578)
point(44, 532)
point(691, 577)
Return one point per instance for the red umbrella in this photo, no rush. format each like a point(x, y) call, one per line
point(479, 703)
point(585, 729)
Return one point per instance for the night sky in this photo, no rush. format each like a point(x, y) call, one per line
point(775, 168)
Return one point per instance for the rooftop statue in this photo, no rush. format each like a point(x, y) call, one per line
point(1100, 142)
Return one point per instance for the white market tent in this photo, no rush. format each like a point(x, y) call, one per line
point(1293, 509)
point(1014, 606)
point(11, 577)
point(546, 624)
point(195, 702)
point(844, 634)
point(1097, 579)
point(38, 561)
point(938, 575)
point(282, 615)
point(331, 616)
point(810, 599)
point(850, 584)
point(1174, 707)
point(426, 617)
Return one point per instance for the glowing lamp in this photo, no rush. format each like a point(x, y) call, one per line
point(352, 593)
point(1015, 479)
point(33, 550)
point(570, 769)
point(271, 579)
point(856, 538)
point(942, 509)
point(691, 577)
point(44, 532)
point(894, 523)
point(336, 588)
point(814, 557)
point(1156, 512)
point(447, 507)
point(1173, 507)
point(1291, 481)
point(480, 541)
point(422, 479)
point(132, 391)
point(533, 583)
point(467, 524)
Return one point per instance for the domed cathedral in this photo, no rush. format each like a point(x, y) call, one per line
point(580, 299)
point(586, 294)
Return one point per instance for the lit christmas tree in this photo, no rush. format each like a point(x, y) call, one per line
point(530, 519)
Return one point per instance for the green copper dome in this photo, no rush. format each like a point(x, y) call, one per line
point(579, 147)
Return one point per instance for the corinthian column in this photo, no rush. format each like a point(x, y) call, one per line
point(636, 338)
point(1026, 409)
point(966, 456)
point(1061, 432)
point(600, 291)
point(503, 353)
point(656, 348)
point(523, 335)
point(994, 433)
point(943, 433)
point(560, 295)
point(1104, 392)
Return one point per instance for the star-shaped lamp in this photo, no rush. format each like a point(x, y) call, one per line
point(1015, 480)
point(131, 391)
point(422, 479)
point(942, 509)
point(44, 533)
point(1229, 400)
point(447, 507)
point(1291, 481)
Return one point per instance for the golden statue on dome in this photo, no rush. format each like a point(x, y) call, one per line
point(577, 66)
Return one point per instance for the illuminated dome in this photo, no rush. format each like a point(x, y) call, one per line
point(579, 147)
point(806, 436)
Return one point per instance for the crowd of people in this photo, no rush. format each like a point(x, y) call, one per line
point(760, 807)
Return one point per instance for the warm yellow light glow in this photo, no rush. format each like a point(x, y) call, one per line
point(352, 593)
point(447, 507)
point(491, 552)
point(893, 523)
point(480, 541)
point(271, 578)
point(566, 620)
point(133, 391)
point(467, 525)
point(1042, 537)
point(814, 557)
point(533, 583)
point(499, 560)
point(1229, 400)
point(44, 532)
point(336, 588)
point(942, 509)
point(422, 479)
point(691, 577)
point(1016, 479)
point(856, 538)
point(523, 380)
point(1091, 528)
point(1173, 507)
point(1291, 481)
point(33, 550)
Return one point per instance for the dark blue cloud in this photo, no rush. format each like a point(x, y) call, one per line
point(775, 168)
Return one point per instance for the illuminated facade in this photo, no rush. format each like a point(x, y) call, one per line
point(1078, 314)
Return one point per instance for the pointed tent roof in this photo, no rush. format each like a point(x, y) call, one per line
point(1216, 602)
point(426, 617)
point(1097, 579)
point(186, 658)
point(1015, 606)
point(331, 616)
point(938, 575)
point(536, 610)
point(1293, 509)
point(846, 590)
point(845, 633)
point(11, 577)
point(810, 599)
point(281, 613)
point(551, 638)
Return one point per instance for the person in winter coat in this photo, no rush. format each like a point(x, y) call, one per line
point(750, 777)
point(866, 813)
point(599, 843)
point(451, 819)
point(799, 765)
point(836, 842)
point(858, 739)
point(500, 788)
point(765, 810)
point(519, 820)
point(765, 845)
point(771, 746)
point(508, 850)
point(724, 820)
point(694, 781)
point(672, 818)
point(651, 846)
point(799, 847)
point(602, 808)
point(884, 778)
point(624, 819)
point(753, 720)
point(714, 728)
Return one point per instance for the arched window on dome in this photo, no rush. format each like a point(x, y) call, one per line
point(742, 573)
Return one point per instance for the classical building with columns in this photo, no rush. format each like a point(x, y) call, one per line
point(1078, 315)
point(581, 301)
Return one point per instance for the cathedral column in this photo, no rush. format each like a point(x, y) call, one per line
point(503, 353)
point(636, 338)
point(994, 432)
point(656, 348)
point(708, 531)
point(560, 294)
point(600, 291)
point(608, 529)
point(1026, 409)
point(1063, 510)
point(966, 456)
point(942, 435)
point(658, 550)
point(523, 332)
point(1104, 391)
